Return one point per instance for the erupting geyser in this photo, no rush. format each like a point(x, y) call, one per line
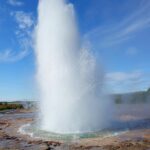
point(69, 78)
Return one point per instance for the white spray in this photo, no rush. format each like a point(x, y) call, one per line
point(70, 81)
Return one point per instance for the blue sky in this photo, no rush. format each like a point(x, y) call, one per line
point(116, 31)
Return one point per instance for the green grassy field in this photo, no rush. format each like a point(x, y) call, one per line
point(7, 105)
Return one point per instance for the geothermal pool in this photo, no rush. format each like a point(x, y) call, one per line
point(128, 118)
point(18, 130)
point(35, 132)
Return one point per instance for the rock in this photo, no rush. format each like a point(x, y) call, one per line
point(52, 143)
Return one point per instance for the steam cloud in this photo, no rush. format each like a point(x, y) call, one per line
point(71, 83)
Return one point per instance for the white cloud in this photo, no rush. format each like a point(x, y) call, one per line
point(122, 76)
point(124, 30)
point(121, 82)
point(23, 32)
point(24, 20)
point(15, 2)
point(9, 55)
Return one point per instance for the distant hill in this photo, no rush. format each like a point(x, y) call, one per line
point(132, 98)
point(18, 105)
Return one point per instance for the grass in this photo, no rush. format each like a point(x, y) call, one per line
point(6, 106)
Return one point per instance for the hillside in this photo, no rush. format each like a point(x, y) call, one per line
point(132, 98)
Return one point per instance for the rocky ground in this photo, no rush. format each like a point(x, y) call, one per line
point(10, 139)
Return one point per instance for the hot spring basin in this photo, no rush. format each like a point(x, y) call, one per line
point(117, 128)
point(33, 131)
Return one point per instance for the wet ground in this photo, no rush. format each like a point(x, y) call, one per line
point(134, 120)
